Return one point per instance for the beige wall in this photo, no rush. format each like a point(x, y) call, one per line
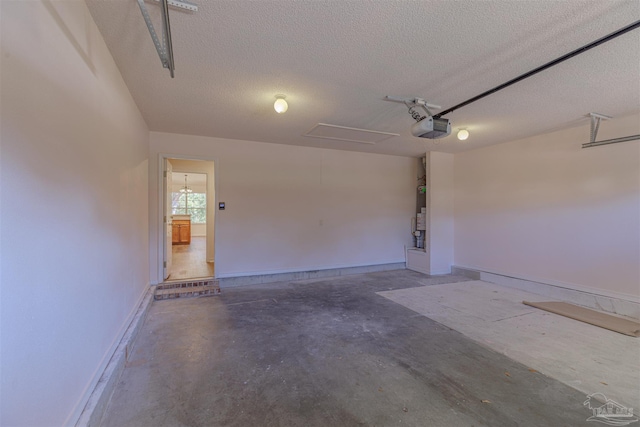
point(545, 209)
point(198, 230)
point(294, 208)
point(74, 189)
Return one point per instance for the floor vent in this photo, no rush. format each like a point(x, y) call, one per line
point(188, 289)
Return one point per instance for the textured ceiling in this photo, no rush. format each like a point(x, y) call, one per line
point(336, 60)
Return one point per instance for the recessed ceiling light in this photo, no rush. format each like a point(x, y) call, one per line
point(463, 134)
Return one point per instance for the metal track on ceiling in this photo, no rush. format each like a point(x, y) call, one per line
point(164, 46)
point(583, 49)
point(596, 118)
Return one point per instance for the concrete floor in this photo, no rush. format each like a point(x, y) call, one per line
point(583, 356)
point(325, 352)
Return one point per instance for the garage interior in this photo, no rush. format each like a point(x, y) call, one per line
point(436, 165)
point(335, 351)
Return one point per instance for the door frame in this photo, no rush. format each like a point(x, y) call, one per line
point(167, 229)
point(160, 206)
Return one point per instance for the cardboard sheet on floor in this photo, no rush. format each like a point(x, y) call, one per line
point(593, 317)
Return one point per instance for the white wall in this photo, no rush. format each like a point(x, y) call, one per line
point(74, 216)
point(198, 230)
point(294, 208)
point(440, 190)
point(545, 209)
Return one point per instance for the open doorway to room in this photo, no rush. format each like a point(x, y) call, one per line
point(189, 192)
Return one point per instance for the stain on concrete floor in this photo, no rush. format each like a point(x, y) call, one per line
point(320, 353)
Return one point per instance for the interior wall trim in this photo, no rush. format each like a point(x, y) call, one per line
point(615, 303)
point(99, 398)
point(256, 279)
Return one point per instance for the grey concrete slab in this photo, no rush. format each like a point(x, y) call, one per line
point(586, 357)
point(325, 352)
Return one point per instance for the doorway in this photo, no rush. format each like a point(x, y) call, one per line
point(189, 194)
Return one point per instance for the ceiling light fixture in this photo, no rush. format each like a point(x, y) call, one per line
point(463, 134)
point(280, 105)
point(186, 188)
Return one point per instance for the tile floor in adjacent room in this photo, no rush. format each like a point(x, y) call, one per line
point(190, 261)
point(334, 352)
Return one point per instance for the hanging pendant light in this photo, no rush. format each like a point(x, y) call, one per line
point(186, 188)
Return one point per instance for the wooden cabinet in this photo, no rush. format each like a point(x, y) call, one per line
point(181, 232)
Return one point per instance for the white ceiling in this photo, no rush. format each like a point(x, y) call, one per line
point(336, 60)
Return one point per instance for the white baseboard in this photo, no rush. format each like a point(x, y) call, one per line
point(99, 398)
point(615, 304)
point(245, 279)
